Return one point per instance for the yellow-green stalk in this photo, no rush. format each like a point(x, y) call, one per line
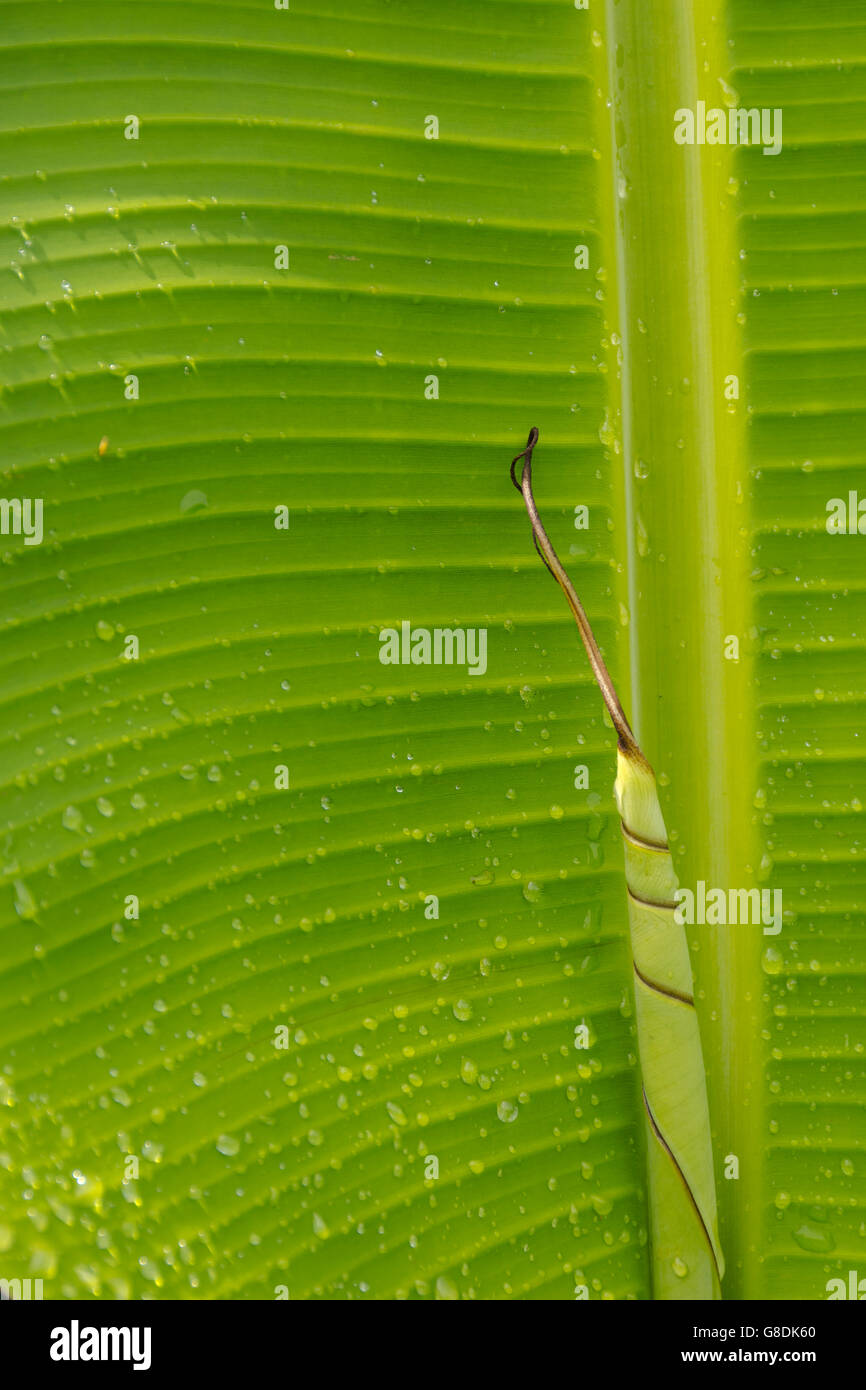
point(686, 1257)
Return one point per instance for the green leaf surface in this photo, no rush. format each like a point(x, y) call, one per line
point(286, 1036)
point(734, 263)
point(304, 909)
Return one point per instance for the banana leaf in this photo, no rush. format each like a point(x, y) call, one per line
point(315, 970)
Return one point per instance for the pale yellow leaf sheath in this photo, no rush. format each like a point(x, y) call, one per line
point(687, 1260)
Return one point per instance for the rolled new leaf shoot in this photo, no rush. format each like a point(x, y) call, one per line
point(686, 1257)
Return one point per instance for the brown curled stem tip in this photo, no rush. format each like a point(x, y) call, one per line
point(627, 740)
